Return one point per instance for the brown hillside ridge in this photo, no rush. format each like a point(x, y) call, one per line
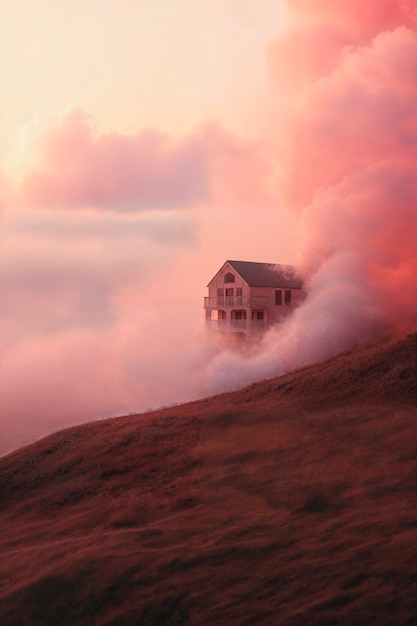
point(292, 501)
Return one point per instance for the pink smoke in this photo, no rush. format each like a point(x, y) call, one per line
point(350, 147)
point(345, 139)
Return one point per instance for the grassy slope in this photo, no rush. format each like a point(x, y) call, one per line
point(292, 501)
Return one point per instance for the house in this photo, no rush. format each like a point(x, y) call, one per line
point(245, 298)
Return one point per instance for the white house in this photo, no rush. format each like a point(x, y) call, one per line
point(246, 298)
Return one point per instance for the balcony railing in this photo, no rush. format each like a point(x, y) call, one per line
point(255, 302)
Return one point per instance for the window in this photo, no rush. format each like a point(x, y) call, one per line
point(220, 293)
point(230, 292)
point(229, 278)
point(287, 297)
point(259, 315)
point(278, 297)
point(238, 291)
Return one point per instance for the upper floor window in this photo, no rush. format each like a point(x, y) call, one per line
point(220, 292)
point(238, 291)
point(287, 297)
point(229, 278)
point(278, 297)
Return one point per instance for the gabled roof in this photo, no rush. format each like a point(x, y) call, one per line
point(266, 274)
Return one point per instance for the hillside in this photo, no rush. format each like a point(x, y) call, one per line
point(292, 501)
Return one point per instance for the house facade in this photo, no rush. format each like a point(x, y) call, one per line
point(245, 298)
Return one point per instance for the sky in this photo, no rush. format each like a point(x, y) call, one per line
point(143, 144)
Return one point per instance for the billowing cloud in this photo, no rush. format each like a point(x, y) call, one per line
point(344, 129)
point(320, 31)
point(147, 170)
point(362, 112)
point(362, 21)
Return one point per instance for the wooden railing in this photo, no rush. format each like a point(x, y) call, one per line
point(253, 325)
point(255, 302)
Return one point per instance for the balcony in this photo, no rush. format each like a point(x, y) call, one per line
point(222, 324)
point(255, 302)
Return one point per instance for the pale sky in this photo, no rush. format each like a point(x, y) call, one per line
point(131, 63)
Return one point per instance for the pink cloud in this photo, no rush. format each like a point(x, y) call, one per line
point(349, 163)
point(362, 112)
point(344, 130)
point(147, 170)
point(361, 19)
point(322, 32)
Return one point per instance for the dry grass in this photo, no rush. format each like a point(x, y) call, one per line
point(292, 501)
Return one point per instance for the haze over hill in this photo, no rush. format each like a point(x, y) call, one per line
point(289, 502)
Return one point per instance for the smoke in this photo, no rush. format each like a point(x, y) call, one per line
point(345, 130)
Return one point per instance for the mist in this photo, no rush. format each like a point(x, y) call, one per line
point(102, 297)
